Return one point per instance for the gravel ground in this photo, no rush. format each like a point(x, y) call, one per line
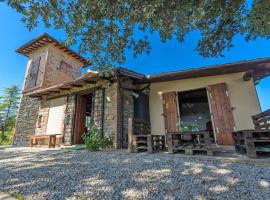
point(61, 174)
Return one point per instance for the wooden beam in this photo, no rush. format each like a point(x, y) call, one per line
point(76, 85)
point(91, 82)
point(54, 91)
point(248, 75)
point(64, 88)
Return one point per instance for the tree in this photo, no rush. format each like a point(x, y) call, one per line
point(9, 104)
point(107, 29)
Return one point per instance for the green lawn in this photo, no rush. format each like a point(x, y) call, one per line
point(8, 139)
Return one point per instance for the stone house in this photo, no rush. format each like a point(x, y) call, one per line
point(58, 99)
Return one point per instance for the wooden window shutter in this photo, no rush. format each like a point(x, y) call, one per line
point(34, 69)
point(223, 121)
point(170, 112)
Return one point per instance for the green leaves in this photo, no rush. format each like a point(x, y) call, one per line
point(95, 140)
point(9, 104)
point(105, 30)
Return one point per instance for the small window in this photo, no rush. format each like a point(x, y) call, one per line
point(33, 74)
point(65, 66)
point(39, 121)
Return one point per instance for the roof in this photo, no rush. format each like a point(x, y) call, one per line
point(258, 67)
point(44, 39)
point(88, 77)
point(129, 73)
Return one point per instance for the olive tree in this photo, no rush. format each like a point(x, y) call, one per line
point(106, 29)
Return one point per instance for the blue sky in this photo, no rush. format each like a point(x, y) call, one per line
point(169, 56)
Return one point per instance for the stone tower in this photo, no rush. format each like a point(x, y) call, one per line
point(50, 64)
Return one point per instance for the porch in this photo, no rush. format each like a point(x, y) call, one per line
point(254, 143)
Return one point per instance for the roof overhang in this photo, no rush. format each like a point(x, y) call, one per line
point(89, 78)
point(256, 69)
point(45, 39)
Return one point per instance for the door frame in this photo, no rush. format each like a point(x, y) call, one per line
point(209, 105)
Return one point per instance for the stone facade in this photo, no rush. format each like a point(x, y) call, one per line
point(43, 115)
point(69, 120)
point(118, 107)
point(57, 67)
point(26, 120)
point(34, 113)
point(55, 73)
point(111, 114)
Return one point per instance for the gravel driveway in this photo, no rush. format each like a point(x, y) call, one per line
point(61, 174)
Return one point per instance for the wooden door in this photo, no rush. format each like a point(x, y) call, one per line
point(221, 113)
point(80, 117)
point(170, 112)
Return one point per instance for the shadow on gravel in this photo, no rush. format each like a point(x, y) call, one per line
point(119, 175)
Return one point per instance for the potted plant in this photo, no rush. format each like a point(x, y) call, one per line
point(187, 127)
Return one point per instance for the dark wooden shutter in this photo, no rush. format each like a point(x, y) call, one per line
point(34, 69)
point(170, 112)
point(221, 113)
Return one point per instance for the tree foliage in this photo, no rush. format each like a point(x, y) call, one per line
point(9, 104)
point(108, 28)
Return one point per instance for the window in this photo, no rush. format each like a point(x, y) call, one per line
point(39, 121)
point(65, 67)
point(33, 74)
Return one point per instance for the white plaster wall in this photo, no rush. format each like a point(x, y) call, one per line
point(56, 116)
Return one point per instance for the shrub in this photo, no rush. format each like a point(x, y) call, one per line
point(95, 140)
point(8, 139)
point(187, 126)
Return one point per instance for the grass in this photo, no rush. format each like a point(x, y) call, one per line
point(16, 195)
point(9, 138)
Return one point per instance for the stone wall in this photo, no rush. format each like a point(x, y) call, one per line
point(42, 118)
point(26, 121)
point(116, 115)
point(55, 73)
point(128, 112)
point(69, 120)
point(111, 114)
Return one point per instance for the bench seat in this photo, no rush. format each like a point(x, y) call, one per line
point(50, 137)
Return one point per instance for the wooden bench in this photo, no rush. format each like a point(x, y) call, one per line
point(257, 141)
point(140, 138)
point(51, 140)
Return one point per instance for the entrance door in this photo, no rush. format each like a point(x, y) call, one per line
point(80, 117)
point(170, 112)
point(221, 113)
